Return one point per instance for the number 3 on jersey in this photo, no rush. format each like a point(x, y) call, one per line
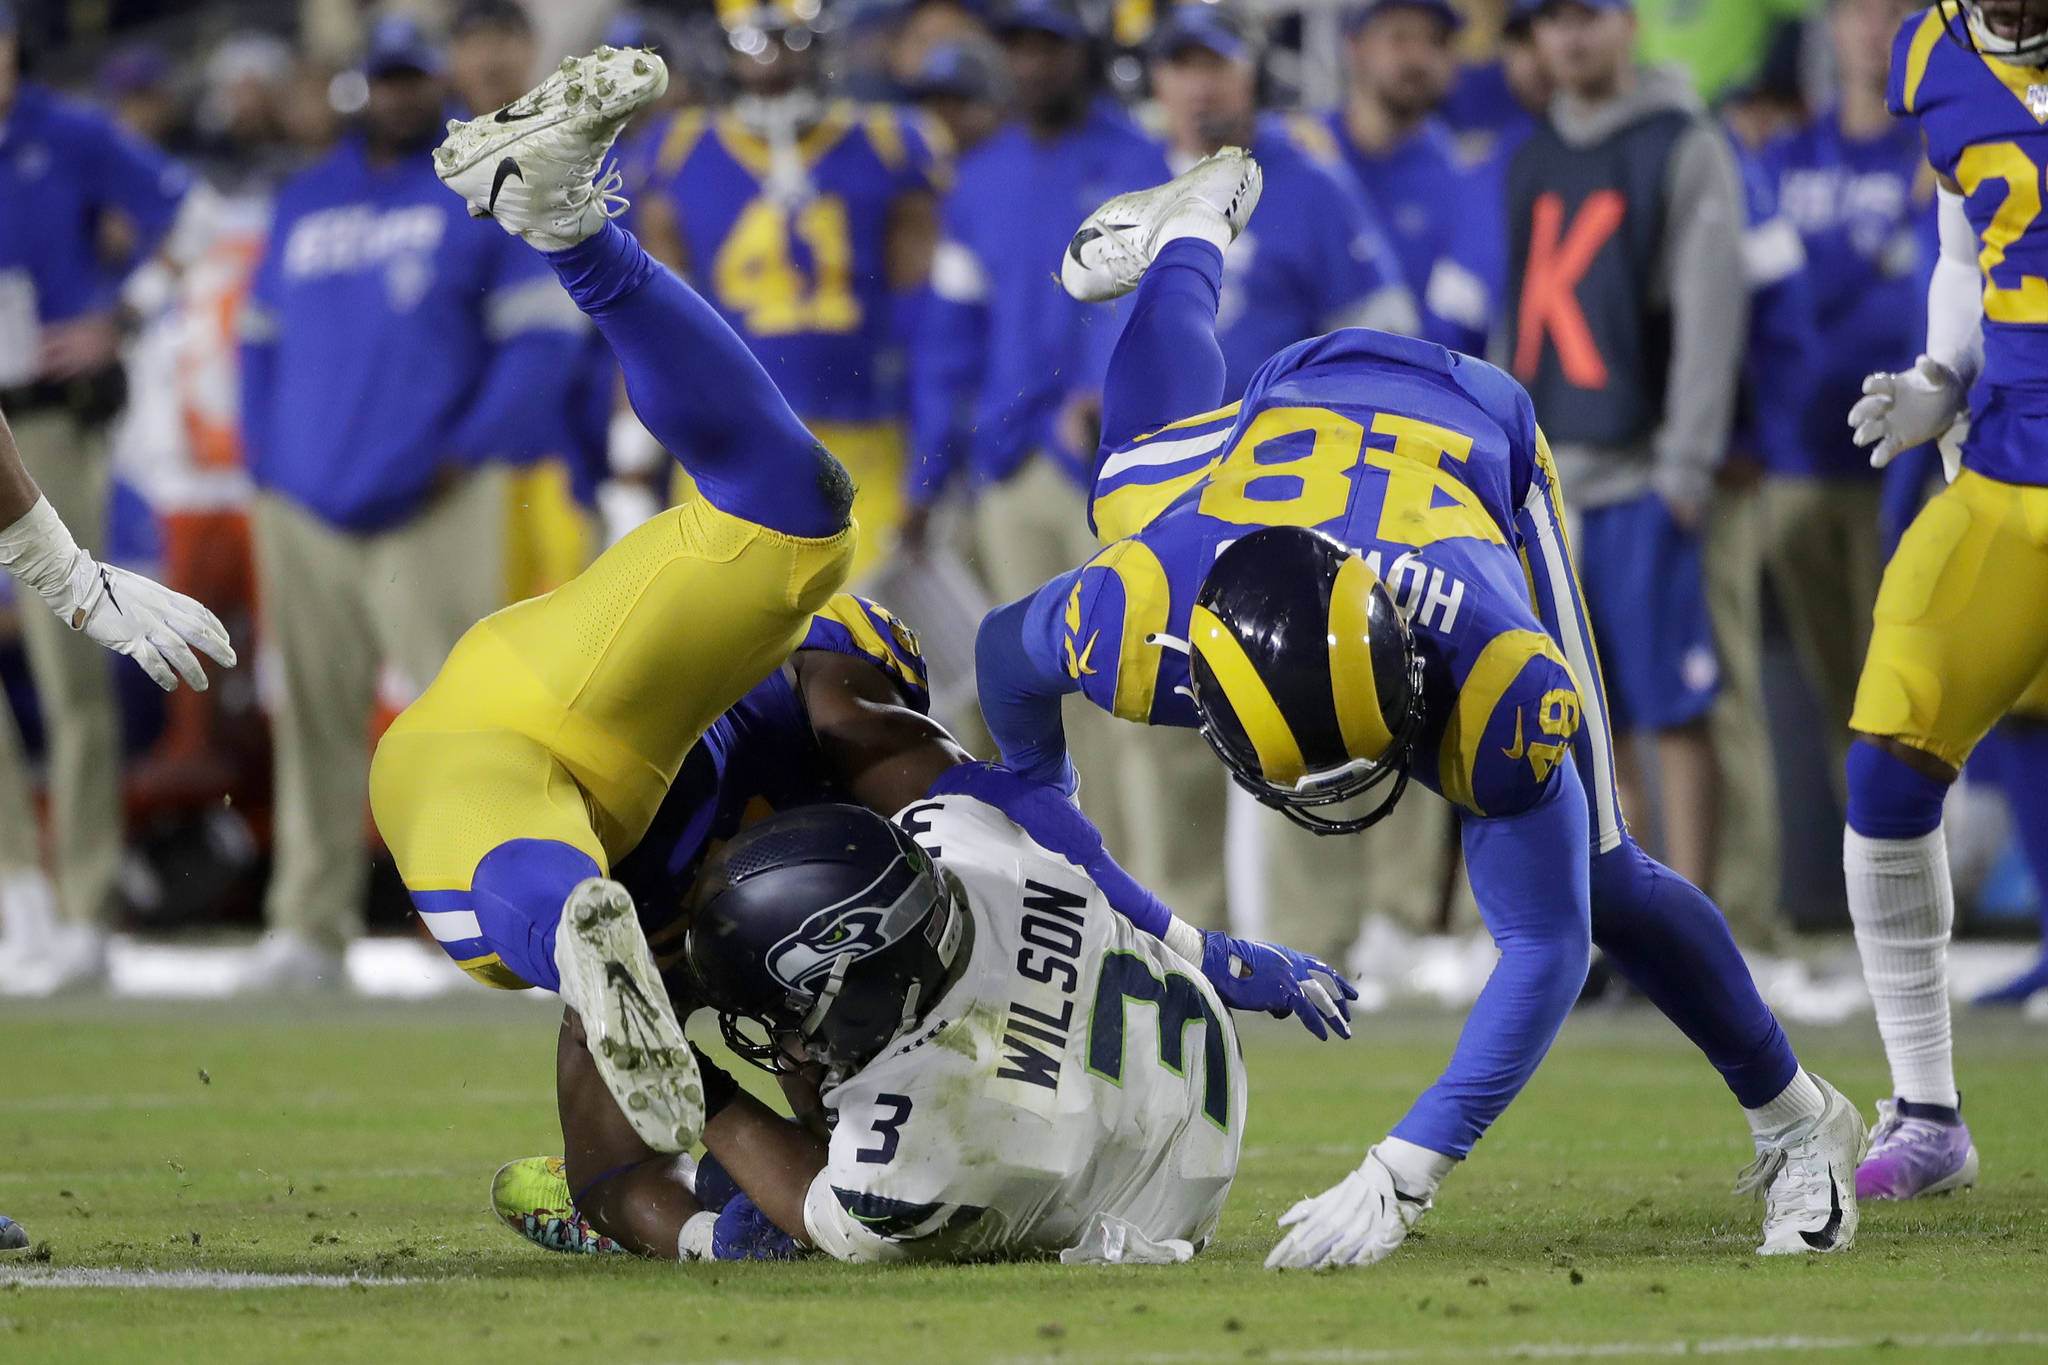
point(756, 273)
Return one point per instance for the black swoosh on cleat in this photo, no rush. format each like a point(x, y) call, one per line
point(1824, 1240)
point(508, 169)
point(1089, 234)
point(506, 115)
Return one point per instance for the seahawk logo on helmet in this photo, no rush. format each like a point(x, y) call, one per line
point(1306, 680)
point(857, 927)
point(825, 924)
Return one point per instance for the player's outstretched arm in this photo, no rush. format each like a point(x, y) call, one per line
point(123, 611)
point(1247, 975)
point(1903, 409)
point(1021, 683)
point(885, 753)
point(1530, 876)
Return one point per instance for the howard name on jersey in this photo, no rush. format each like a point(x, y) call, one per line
point(1077, 1070)
point(1985, 122)
point(1428, 463)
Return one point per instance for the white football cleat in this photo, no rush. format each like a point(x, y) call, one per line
point(609, 978)
point(1357, 1221)
point(1808, 1180)
point(535, 164)
point(1212, 199)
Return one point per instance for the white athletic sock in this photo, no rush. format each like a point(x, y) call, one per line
point(1903, 907)
point(1195, 220)
point(1799, 1102)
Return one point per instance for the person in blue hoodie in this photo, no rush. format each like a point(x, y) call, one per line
point(393, 350)
point(1006, 373)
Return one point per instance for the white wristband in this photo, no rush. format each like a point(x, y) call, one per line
point(694, 1244)
point(38, 550)
point(1186, 940)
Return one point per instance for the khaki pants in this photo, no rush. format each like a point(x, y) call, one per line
point(1175, 797)
point(1032, 527)
point(336, 606)
point(1320, 888)
point(74, 688)
point(1821, 545)
point(1746, 865)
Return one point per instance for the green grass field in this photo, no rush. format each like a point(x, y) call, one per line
point(349, 1138)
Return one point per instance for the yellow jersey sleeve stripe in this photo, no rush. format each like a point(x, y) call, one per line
point(1147, 601)
point(1498, 665)
point(885, 136)
point(1933, 25)
point(1353, 686)
point(1199, 419)
point(1130, 509)
point(1279, 753)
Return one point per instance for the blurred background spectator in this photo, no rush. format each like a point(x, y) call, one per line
point(875, 192)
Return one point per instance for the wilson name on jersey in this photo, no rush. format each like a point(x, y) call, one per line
point(1078, 1070)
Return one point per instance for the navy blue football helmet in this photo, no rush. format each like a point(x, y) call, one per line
point(826, 924)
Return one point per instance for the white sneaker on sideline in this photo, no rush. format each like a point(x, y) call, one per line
point(610, 980)
point(1114, 246)
point(1807, 1177)
point(67, 959)
point(287, 961)
point(534, 164)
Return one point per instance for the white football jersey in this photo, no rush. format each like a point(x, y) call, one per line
point(1078, 1070)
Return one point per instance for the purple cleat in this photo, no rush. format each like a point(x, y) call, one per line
point(1912, 1154)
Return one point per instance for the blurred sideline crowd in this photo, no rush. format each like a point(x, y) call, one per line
point(249, 343)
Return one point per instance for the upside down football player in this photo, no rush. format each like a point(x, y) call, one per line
point(1961, 627)
point(1357, 575)
point(543, 758)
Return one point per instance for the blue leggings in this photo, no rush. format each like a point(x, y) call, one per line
point(702, 394)
point(1167, 364)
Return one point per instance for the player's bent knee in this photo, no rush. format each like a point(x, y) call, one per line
point(1895, 791)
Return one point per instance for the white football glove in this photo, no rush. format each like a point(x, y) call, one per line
point(1904, 409)
point(123, 611)
point(1357, 1221)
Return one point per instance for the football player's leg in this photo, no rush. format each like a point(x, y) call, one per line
point(491, 835)
point(1167, 364)
point(1961, 632)
point(702, 394)
point(2023, 775)
point(623, 1188)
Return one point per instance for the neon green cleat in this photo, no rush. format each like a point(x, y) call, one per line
point(531, 1197)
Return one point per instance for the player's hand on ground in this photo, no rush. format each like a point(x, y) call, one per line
point(1249, 975)
point(1357, 1221)
point(1906, 408)
point(743, 1233)
point(152, 625)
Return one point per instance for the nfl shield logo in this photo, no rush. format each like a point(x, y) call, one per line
point(2037, 102)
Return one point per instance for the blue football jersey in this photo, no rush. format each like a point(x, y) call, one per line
point(799, 269)
point(757, 758)
point(1985, 123)
point(1422, 460)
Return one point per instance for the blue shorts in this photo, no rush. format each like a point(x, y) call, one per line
point(1645, 584)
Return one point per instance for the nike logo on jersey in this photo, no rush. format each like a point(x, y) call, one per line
point(1825, 1238)
point(1077, 665)
point(508, 169)
point(1518, 748)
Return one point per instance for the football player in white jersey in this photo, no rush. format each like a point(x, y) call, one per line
point(1012, 1068)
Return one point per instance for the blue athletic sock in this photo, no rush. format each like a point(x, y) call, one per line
point(517, 895)
point(1888, 798)
point(701, 393)
point(1167, 364)
point(1664, 935)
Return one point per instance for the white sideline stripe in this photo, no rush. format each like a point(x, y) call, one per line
point(451, 926)
point(1567, 1350)
point(85, 1277)
point(1152, 453)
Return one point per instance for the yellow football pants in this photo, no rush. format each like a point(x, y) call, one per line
point(549, 536)
point(567, 716)
point(1961, 633)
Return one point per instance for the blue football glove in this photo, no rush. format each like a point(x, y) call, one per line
point(743, 1233)
point(1265, 976)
